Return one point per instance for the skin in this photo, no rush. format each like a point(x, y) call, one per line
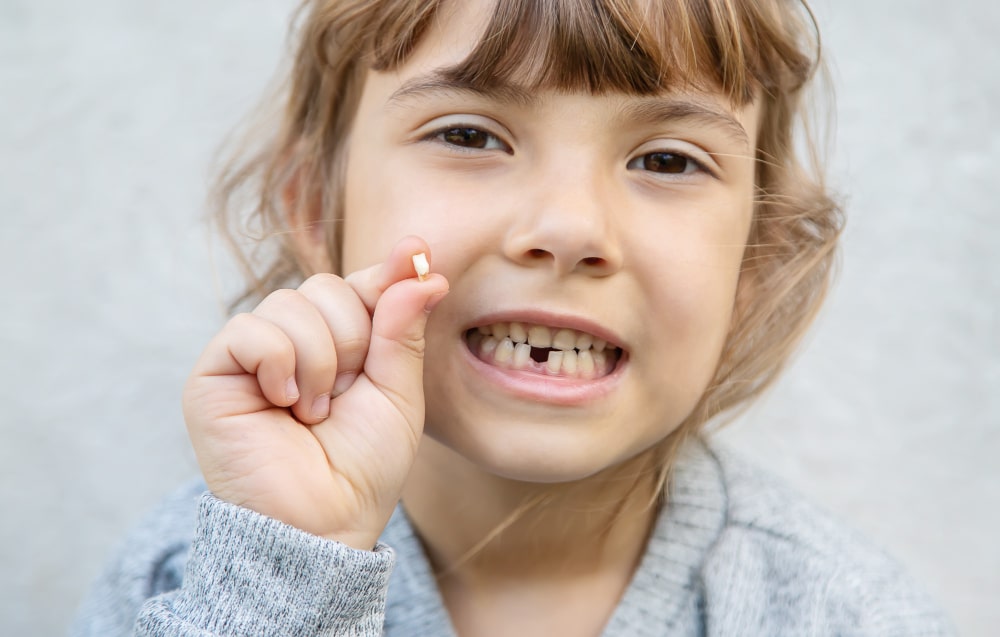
point(527, 212)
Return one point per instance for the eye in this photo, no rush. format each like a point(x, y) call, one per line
point(666, 163)
point(469, 137)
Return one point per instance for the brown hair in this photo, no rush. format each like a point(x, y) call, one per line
point(748, 49)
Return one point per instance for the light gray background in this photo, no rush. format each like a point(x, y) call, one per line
point(110, 111)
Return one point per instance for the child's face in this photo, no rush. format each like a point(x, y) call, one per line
point(621, 218)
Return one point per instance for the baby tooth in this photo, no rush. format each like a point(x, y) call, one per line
point(584, 341)
point(554, 363)
point(500, 330)
point(585, 362)
point(600, 361)
point(517, 333)
point(569, 362)
point(505, 352)
point(539, 336)
point(564, 339)
point(599, 345)
point(522, 355)
point(484, 330)
point(489, 345)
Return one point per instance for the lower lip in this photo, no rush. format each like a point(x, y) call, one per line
point(554, 390)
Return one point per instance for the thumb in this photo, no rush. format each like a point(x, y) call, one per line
point(395, 362)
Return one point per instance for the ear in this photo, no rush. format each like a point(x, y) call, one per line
point(303, 211)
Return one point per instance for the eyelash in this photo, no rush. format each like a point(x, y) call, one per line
point(438, 135)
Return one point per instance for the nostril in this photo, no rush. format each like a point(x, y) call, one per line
point(592, 261)
point(537, 253)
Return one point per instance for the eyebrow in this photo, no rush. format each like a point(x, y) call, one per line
point(643, 110)
point(436, 83)
point(656, 110)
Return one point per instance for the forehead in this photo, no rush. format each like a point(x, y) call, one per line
point(598, 46)
point(450, 60)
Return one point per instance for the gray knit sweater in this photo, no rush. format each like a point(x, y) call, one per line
point(733, 553)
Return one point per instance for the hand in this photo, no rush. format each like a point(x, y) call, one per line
point(309, 409)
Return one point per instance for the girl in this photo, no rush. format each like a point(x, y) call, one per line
point(623, 246)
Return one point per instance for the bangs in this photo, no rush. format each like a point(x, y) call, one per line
point(632, 46)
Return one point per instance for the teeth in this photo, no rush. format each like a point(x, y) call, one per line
point(505, 352)
point(489, 345)
point(540, 336)
point(522, 355)
point(554, 363)
point(564, 339)
point(585, 362)
point(600, 360)
point(518, 334)
point(569, 362)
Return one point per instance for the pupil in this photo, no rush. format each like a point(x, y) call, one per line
point(666, 163)
point(466, 137)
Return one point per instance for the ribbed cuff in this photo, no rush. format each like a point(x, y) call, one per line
point(252, 575)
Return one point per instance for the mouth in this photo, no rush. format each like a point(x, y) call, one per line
point(544, 350)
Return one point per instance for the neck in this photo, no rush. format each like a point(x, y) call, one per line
point(478, 527)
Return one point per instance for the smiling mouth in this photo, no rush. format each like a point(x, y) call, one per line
point(540, 349)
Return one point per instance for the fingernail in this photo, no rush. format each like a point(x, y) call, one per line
point(291, 390)
point(434, 300)
point(321, 406)
point(343, 382)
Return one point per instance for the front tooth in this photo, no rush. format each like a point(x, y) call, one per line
point(599, 345)
point(540, 336)
point(584, 341)
point(489, 345)
point(564, 339)
point(554, 363)
point(505, 352)
point(522, 355)
point(585, 361)
point(569, 362)
point(500, 330)
point(517, 333)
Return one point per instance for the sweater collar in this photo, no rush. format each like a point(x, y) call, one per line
point(663, 597)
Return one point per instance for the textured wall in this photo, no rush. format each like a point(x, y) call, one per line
point(109, 113)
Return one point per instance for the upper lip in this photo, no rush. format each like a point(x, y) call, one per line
point(551, 320)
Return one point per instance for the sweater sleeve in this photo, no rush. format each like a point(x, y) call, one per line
point(241, 574)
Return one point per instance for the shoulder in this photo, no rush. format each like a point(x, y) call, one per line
point(796, 567)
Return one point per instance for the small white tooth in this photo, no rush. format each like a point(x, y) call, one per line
point(518, 334)
point(489, 345)
point(569, 365)
point(505, 352)
point(522, 355)
point(500, 330)
point(599, 345)
point(564, 339)
point(584, 341)
point(600, 361)
point(484, 330)
point(585, 362)
point(540, 336)
point(554, 363)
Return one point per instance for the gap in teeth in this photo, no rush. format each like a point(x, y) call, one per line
point(542, 337)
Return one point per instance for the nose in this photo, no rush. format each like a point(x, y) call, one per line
point(568, 223)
